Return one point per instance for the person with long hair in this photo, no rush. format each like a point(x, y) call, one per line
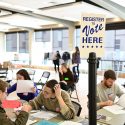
point(23, 75)
point(76, 58)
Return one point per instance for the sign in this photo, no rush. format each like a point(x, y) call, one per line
point(92, 34)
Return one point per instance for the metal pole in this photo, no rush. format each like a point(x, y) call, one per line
point(92, 70)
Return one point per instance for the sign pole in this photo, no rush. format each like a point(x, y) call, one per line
point(92, 69)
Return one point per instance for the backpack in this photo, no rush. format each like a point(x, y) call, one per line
point(66, 56)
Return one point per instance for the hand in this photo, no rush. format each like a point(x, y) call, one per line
point(26, 108)
point(64, 82)
point(33, 89)
point(57, 91)
point(61, 71)
point(106, 103)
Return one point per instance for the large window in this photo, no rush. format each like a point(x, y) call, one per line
point(42, 36)
point(17, 42)
point(11, 42)
point(23, 42)
point(60, 39)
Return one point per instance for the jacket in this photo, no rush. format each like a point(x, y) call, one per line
point(27, 97)
point(21, 118)
point(68, 77)
point(68, 112)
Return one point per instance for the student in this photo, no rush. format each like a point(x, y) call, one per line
point(4, 120)
point(107, 90)
point(76, 58)
point(66, 77)
point(54, 99)
point(23, 75)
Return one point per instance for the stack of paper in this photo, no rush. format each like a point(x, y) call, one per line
point(44, 115)
point(70, 123)
point(117, 108)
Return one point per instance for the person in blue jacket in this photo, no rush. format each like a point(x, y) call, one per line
point(23, 75)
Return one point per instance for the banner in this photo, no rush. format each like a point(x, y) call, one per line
point(92, 35)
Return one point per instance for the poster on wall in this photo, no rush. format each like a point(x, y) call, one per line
point(92, 35)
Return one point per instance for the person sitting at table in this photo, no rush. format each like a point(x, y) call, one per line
point(54, 99)
point(107, 90)
point(66, 77)
point(23, 75)
point(22, 117)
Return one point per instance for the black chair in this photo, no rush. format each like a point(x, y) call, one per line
point(77, 107)
point(44, 78)
point(3, 73)
point(73, 87)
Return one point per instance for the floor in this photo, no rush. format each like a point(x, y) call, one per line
point(82, 86)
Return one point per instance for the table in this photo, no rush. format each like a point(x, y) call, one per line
point(117, 119)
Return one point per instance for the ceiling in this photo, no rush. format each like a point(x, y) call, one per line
point(33, 14)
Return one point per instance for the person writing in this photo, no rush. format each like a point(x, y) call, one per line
point(107, 90)
point(53, 99)
point(22, 117)
point(66, 77)
point(23, 75)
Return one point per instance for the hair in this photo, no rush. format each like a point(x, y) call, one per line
point(51, 84)
point(77, 50)
point(65, 65)
point(3, 85)
point(24, 73)
point(110, 74)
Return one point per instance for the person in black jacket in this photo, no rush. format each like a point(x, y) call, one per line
point(66, 77)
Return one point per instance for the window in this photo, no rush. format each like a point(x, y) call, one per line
point(60, 39)
point(77, 37)
point(11, 42)
point(17, 42)
point(42, 36)
point(23, 42)
point(117, 44)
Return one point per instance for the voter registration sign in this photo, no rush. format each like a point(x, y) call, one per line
point(92, 34)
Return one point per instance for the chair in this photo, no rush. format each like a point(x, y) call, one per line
point(73, 88)
point(3, 73)
point(31, 72)
point(44, 78)
point(77, 107)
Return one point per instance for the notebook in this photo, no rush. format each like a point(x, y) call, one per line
point(44, 122)
point(11, 103)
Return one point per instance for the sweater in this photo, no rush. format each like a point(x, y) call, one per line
point(68, 112)
point(68, 77)
point(21, 118)
point(105, 94)
point(27, 97)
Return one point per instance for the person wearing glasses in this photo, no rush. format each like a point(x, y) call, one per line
point(54, 99)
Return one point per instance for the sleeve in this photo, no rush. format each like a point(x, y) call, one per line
point(61, 77)
point(37, 102)
point(119, 91)
point(21, 119)
point(68, 112)
point(12, 88)
point(97, 101)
